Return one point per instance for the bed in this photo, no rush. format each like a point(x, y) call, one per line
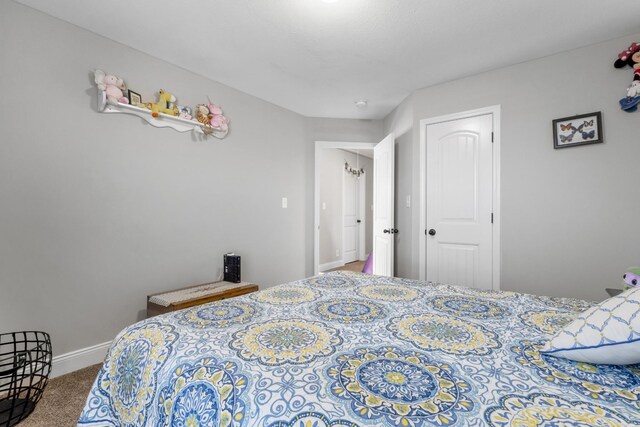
point(347, 349)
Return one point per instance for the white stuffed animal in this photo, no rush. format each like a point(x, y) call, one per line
point(113, 86)
point(634, 89)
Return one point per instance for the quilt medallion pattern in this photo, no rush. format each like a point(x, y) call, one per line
point(353, 350)
point(218, 316)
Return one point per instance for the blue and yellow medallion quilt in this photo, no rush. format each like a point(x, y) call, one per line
point(346, 350)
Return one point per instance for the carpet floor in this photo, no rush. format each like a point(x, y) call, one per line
point(356, 266)
point(63, 399)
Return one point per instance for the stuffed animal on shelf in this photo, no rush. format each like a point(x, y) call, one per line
point(630, 57)
point(203, 117)
point(212, 120)
point(165, 104)
point(217, 120)
point(113, 86)
point(631, 278)
point(185, 113)
point(634, 89)
point(202, 114)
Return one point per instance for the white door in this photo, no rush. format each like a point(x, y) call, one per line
point(362, 218)
point(459, 202)
point(383, 222)
point(350, 211)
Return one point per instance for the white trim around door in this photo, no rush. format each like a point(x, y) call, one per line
point(320, 145)
point(495, 111)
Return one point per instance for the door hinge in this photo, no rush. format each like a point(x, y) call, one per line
point(491, 136)
point(491, 217)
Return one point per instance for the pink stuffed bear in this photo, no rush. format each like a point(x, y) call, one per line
point(217, 119)
point(113, 86)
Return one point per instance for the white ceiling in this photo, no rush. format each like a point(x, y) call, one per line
point(317, 58)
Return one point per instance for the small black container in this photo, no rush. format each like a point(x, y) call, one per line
point(232, 268)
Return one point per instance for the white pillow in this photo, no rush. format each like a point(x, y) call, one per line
point(608, 333)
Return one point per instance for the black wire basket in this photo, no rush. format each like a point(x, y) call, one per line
point(25, 364)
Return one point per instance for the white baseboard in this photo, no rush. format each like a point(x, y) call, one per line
point(331, 265)
point(78, 359)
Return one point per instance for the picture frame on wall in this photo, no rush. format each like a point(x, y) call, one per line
point(577, 130)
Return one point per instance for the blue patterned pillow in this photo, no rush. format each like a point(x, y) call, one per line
point(607, 333)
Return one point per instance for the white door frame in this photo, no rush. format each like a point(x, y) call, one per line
point(422, 248)
point(320, 145)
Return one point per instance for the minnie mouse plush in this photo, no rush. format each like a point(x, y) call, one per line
point(630, 57)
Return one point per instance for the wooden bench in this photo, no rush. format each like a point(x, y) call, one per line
point(178, 299)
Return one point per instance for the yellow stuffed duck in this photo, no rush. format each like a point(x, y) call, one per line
point(165, 104)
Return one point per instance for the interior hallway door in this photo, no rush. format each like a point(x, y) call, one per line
point(350, 213)
point(459, 202)
point(383, 206)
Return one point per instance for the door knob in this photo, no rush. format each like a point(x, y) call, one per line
point(432, 232)
point(386, 230)
point(395, 231)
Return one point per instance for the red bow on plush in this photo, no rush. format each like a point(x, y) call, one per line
point(625, 54)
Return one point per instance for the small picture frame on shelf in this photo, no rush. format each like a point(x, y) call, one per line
point(184, 109)
point(577, 130)
point(134, 98)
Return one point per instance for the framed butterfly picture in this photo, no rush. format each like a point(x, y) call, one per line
point(577, 130)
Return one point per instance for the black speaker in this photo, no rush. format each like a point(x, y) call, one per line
point(232, 268)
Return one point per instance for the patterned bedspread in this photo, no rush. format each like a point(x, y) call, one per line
point(346, 349)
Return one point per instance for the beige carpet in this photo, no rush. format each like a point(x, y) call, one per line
point(63, 399)
point(356, 266)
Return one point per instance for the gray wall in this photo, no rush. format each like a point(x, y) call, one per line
point(570, 216)
point(330, 189)
point(98, 211)
point(331, 166)
point(403, 214)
